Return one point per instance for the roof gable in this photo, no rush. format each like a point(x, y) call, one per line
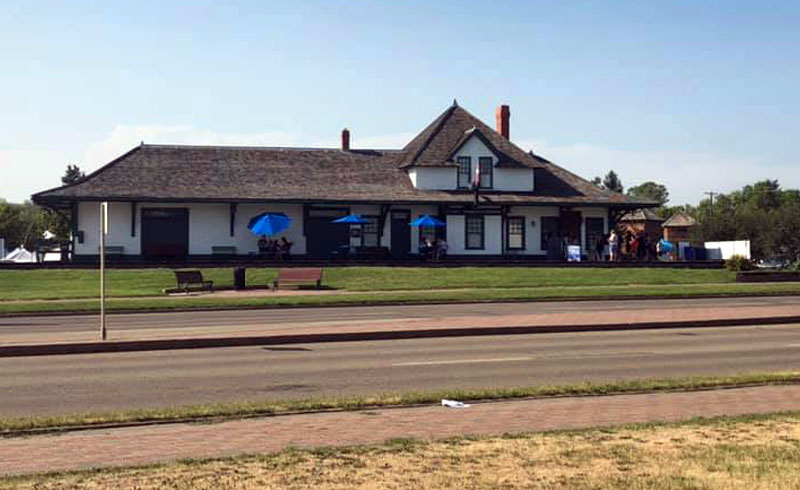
point(436, 144)
point(680, 220)
point(474, 133)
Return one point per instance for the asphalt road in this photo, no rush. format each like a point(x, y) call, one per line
point(102, 382)
point(84, 323)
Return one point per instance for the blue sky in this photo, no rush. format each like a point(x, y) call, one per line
point(698, 95)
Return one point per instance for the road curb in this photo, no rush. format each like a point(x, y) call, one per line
point(355, 304)
point(31, 350)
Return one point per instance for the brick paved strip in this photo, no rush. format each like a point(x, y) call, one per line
point(141, 445)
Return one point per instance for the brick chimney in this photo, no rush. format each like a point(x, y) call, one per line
point(345, 139)
point(503, 120)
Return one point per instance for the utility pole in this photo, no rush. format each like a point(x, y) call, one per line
point(711, 195)
point(103, 232)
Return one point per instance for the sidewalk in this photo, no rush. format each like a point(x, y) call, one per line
point(17, 342)
point(150, 444)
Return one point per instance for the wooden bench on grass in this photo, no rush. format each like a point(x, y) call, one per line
point(298, 276)
point(192, 280)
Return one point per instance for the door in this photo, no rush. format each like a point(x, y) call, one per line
point(324, 237)
point(401, 234)
point(165, 232)
point(570, 226)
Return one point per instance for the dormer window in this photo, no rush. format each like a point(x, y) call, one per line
point(464, 172)
point(486, 172)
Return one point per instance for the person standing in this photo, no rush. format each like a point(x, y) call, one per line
point(599, 246)
point(613, 246)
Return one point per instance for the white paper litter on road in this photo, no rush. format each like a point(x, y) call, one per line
point(453, 404)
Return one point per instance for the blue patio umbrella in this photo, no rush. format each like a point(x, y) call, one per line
point(351, 219)
point(427, 220)
point(269, 224)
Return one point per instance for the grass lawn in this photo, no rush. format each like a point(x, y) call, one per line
point(551, 293)
point(83, 283)
point(731, 453)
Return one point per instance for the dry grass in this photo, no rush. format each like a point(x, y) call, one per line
point(761, 452)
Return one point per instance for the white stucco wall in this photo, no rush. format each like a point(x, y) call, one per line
point(533, 226)
point(514, 179)
point(209, 225)
point(503, 179)
point(433, 177)
point(456, 237)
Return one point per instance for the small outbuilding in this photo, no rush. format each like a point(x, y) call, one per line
point(642, 220)
point(678, 227)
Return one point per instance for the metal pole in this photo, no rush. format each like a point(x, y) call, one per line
point(103, 231)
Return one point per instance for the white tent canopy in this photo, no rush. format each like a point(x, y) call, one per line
point(20, 255)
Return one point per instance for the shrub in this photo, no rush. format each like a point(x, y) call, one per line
point(738, 263)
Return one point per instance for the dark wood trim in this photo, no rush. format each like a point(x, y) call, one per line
point(483, 232)
point(73, 218)
point(133, 218)
point(232, 218)
point(495, 194)
point(382, 220)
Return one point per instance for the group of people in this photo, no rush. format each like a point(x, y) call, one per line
point(280, 249)
point(433, 249)
point(634, 246)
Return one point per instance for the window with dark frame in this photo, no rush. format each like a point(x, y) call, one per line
point(473, 228)
point(516, 232)
point(487, 176)
point(369, 232)
point(464, 172)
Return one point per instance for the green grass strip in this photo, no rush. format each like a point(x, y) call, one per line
point(407, 297)
point(85, 283)
point(12, 426)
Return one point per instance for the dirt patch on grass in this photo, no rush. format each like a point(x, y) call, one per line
point(762, 453)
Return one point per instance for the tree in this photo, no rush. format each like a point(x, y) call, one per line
point(24, 224)
point(73, 175)
point(597, 181)
point(652, 191)
point(762, 213)
point(612, 182)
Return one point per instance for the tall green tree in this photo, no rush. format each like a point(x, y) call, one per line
point(652, 191)
point(763, 213)
point(24, 224)
point(72, 175)
point(612, 182)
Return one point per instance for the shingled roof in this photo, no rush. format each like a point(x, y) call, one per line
point(436, 144)
point(229, 173)
point(680, 220)
point(642, 215)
